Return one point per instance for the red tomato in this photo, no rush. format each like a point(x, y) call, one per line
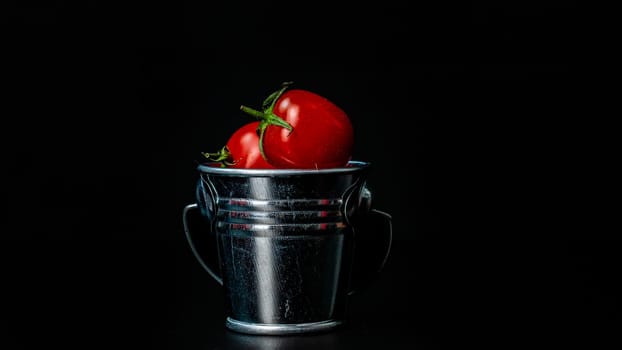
point(301, 129)
point(241, 150)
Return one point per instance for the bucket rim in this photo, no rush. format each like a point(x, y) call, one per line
point(215, 168)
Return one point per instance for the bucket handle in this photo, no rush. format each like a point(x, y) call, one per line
point(389, 219)
point(360, 283)
point(187, 210)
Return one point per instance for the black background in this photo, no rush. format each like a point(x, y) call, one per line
point(461, 108)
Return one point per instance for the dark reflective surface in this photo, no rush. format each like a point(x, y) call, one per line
point(234, 340)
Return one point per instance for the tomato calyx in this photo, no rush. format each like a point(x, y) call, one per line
point(267, 116)
point(223, 156)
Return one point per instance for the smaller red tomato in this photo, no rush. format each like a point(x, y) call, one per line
point(241, 150)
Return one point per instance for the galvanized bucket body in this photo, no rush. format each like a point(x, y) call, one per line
point(285, 243)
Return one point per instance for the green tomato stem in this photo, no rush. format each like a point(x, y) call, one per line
point(267, 117)
point(223, 156)
point(255, 113)
point(268, 103)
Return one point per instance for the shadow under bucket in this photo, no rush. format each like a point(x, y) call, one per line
point(285, 243)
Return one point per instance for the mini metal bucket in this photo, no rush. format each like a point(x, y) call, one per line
point(285, 243)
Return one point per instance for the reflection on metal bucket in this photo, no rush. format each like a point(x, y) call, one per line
point(285, 243)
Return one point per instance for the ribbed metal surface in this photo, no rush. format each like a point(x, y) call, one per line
point(291, 216)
